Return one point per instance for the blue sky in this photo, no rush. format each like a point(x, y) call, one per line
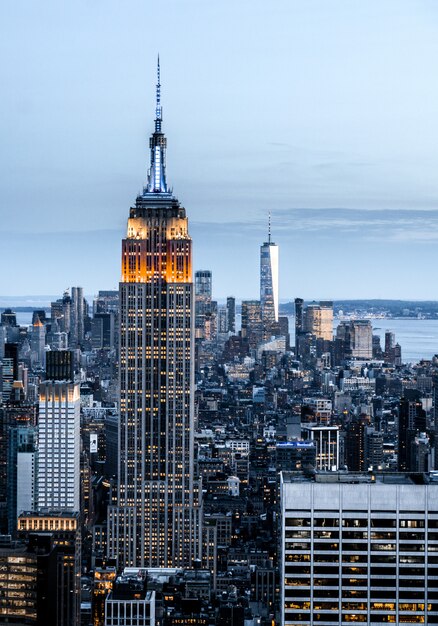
point(323, 112)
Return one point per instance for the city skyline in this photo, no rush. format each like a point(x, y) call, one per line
point(303, 122)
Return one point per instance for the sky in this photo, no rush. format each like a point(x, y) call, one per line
point(322, 112)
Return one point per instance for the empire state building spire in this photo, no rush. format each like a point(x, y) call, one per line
point(157, 144)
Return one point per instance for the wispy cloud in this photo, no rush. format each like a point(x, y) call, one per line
point(391, 226)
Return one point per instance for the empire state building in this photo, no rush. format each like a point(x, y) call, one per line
point(155, 521)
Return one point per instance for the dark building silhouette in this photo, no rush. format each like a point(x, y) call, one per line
point(355, 443)
point(411, 420)
point(64, 529)
point(28, 580)
point(299, 323)
point(231, 314)
point(8, 318)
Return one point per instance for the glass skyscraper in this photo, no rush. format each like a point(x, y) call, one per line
point(269, 281)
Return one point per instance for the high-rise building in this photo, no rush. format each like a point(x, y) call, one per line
point(65, 531)
point(104, 578)
point(8, 318)
point(355, 443)
point(389, 344)
point(252, 325)
point(354, 549)
point(12, 415)
point(221, 319)
point(9, 323)
point(76, 317)
point(28, 576)
point(21, 481)
point(60, 311)
point(9, 371)
point(107, 301)
point(231, 314)
point(355, 339)
point(361, 339)
point(37, 343)
point(102, 331)
point(203, 304)
point(299, 323)
point(269, 281)
point(411, 421)
point(318, 320)
point(59, 446)
point(434, 424)
point(155, 522)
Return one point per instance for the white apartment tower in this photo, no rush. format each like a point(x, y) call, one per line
point(58, 482)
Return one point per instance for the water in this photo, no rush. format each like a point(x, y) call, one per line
point(24, 318)
point(418, 338)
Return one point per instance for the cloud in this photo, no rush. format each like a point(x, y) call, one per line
point(390, 226)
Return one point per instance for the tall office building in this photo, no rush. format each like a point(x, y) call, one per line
point(203, 304)
point(21, 481)
point(60, 311)
point(231, 314)
point(411, 422)
point(252, 324)
point(318, 320)
point(269, 280)
point(355, 339)
point(37, 343)
point(389, 344)
point(64, 530)
point(76, 317)
point(361, 339)
point(155, 521)
point(357, 548)
point(221, 319)
point(299, 323)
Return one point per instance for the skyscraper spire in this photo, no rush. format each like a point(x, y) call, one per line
point(269, 227)
point(158, 109)
point(158, 144)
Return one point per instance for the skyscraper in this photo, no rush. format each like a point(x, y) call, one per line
point(154, 522)
point(353, 549)
point(37, 343)
point(203, 308)
point(58, 446)
point(318, 320)
point(357, 339)
point(299, 323)
point(76, 317)
point(231, 314)
point(411, 421)
point(269, 280)
point(252, 325)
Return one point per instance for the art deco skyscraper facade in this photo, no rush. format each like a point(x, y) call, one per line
point(269, 281)
point(154, 523)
